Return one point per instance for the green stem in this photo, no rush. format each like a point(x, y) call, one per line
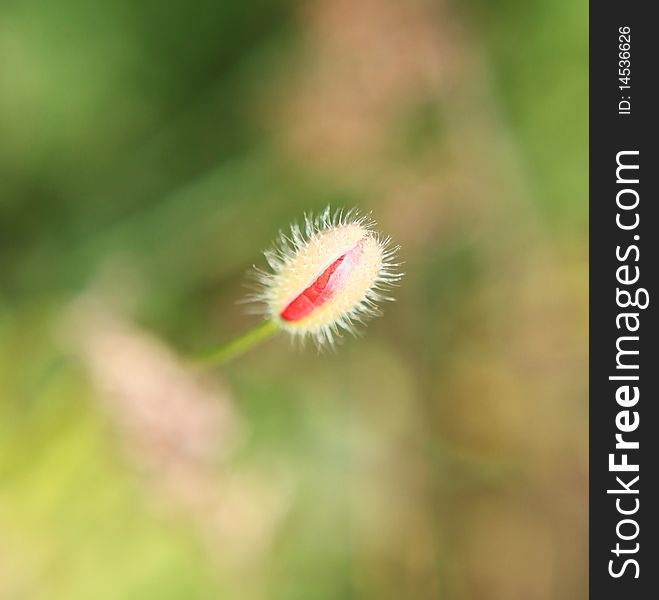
point(227, 352)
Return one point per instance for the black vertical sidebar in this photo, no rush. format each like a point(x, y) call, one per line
point(624, 266)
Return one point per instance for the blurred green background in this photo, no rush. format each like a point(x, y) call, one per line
point(149, 151)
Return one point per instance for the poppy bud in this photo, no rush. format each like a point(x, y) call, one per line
point(328, 276)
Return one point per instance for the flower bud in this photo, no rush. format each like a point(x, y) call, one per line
point(328, 276)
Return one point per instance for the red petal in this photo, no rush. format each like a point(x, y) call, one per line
point(314, 296)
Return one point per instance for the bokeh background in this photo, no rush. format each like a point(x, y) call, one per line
point(149, 151)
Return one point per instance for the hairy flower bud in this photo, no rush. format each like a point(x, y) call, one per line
point(327, 276)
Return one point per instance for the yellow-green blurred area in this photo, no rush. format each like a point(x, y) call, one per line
point(149, 152)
